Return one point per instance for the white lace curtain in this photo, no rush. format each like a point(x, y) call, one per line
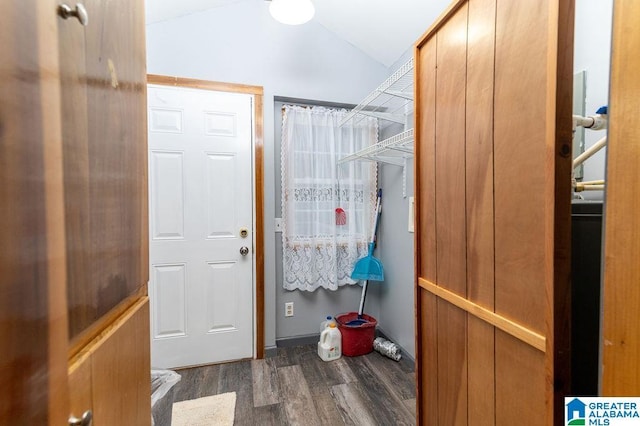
point(317, 251)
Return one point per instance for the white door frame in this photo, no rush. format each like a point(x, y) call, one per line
point(258, 186)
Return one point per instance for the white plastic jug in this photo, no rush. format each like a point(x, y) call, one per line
point(330, 344)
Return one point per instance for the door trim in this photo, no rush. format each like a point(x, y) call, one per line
point(258, 176)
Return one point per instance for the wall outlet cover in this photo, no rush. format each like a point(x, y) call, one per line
point(288, 309)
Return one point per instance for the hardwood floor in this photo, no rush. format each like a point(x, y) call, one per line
point(297, 388)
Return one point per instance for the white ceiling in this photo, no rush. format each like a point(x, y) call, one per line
point(383, 29)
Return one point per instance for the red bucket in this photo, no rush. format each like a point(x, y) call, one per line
point(356, 339)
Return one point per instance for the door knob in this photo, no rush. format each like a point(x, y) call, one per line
point(86, 419)
point(244, 251)
point(80, 12)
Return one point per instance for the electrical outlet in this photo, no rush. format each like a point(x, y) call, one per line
point(288, 309)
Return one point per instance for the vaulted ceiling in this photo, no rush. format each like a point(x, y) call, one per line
point(383, 29)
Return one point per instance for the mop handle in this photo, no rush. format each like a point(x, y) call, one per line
point(362, 297)
point(378, 211)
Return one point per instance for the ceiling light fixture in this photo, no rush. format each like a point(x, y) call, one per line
point(292, 12)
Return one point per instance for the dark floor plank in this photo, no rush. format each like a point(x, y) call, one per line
point(283, 357)
point(411, 405)
point(326, 407)
point(354, 405)
point(321, 373)
point(270, 415)
point(236, 377)
point(296, 397)
point(197, 382)
point(265, 382)
point(391, 374)
point(391, 410)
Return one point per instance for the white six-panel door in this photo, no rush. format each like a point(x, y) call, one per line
point(200, 198)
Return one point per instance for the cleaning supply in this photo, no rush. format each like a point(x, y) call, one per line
point(324, 324)
point(330, 344)
point(368, 268)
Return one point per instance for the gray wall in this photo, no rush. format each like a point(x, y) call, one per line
point(241, 43)
point(592, 52)
point(396, 293)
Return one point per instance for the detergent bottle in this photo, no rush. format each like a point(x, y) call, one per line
point(330, 344)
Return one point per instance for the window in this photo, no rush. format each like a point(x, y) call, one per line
point(318, 252)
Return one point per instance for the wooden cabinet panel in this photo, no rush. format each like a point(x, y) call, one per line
point(112, 376)
point(479, 152)
point(427, 358)
point(44, 168)
point(450, 154)
point(481, 364)
point(104, 134)
point(522, 223)
point(125, 397)
point(479, 208)
point(80, 386)
point(621, 330)
point(521, 383)
point(425, 161)
point(33, 335)
point(452, 364)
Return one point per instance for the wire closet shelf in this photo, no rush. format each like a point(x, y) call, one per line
point(391, 102)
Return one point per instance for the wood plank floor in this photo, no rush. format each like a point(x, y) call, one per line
point(297, 388)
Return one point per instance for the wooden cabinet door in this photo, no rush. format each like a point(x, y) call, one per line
point(621, 298)
point(112, 375)
point(493, 162)
point(103, 75)
point(33, 327)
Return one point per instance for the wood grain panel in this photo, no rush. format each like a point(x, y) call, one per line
point(452, 364)
point(106, 162)
point(427, 362)
point(73, 108)
point(450, 153)
point(425, 161)
point(479, 152)
point(33, 369)
point(124, 348)
point(425, 237)
point(54, 188)
point(621, 351)
point(522, 224)
point(479, 207)
point(520, 383)
point(80, 386)
point(481, 372)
